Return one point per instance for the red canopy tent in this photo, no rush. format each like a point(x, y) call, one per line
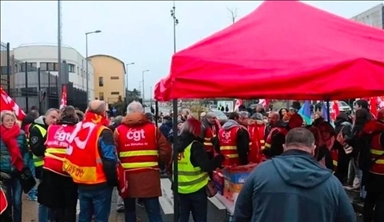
point(282, 50)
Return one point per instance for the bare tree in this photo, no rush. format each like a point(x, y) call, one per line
point(234, 14)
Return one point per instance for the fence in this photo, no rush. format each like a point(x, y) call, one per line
point(36, 88)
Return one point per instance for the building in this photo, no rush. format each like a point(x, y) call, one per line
point(373, 17)
point(45, 58)
point(109, 77)
point(7, 59)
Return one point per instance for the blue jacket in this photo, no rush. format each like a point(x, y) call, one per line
point(165, 128)
point(5, 158)
point(293, 187)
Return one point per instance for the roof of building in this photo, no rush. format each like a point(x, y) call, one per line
point(103, 55)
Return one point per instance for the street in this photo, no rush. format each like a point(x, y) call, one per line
point(216, 211)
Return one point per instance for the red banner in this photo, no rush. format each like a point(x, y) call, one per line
point(7, 103)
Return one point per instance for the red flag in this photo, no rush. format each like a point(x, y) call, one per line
point(7, 103)
point(238, 103)
point(63, 97)
point(335, 109)
point(373, 105)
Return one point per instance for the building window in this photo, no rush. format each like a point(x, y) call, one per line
point(114, 77)
point(31, 66)
point(71, 68)
point(51, 66)
point(43, 66)
point(115, 93)
point(101, 81)
point(101, 95)
point(4, 70)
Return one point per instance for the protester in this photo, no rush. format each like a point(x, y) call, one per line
point(26, 124)
point(166, 126)
point(92, 151)
point(141, 147)
point(37, 138)
point(57, 189)
point(234, 140)
point(292, 181)
point(373, 169)
point(209, 130)
point(193, 166)
point(14, 157)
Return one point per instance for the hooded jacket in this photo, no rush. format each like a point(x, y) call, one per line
point(145, 184)
point(293, 187)
point(242, 141)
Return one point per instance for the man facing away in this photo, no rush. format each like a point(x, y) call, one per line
point(91, 162)
point(141, 147)
point(293, 187)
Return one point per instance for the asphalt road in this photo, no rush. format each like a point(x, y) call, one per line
point(216, 211)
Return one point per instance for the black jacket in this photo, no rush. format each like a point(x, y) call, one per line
point(36, 139)
point(199, 157)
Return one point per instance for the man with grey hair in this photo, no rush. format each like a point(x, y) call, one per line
point(135, 107)
point(295, 184)
point(141, 148)
point(37, 137)
point(209, 130)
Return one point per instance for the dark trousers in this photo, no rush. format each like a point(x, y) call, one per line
point(152, 206)
point(59, 193)
point(195, 203)
point(374, 207)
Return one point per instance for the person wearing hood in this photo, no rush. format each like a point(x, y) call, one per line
point(193, 169)
point(26, 124)
point(57, 189)
point(37, 137)
point(234, 139)
point(209, 130)
point(276, 138)
point(141, 148)
point(293, 187)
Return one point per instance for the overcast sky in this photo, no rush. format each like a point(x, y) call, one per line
point(140, 32)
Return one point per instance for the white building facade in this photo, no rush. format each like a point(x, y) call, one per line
point(45, 58)
point(373, 17)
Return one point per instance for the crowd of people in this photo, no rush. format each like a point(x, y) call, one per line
point(78, 156)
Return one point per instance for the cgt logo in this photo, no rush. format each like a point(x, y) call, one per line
point(136, 135)
point(226, 135)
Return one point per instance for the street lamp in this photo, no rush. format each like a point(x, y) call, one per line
point(142, 80)
point(86, 59)
point(126, 79)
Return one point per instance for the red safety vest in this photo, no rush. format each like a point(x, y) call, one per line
point(57, 143)
point(209, 133)
point(138, 147)
point(228, 146)
point(258, 143)
point(377, 150)
point(83, 161)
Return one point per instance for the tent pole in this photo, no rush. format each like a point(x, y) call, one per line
point(157, 113)
point(175, 167)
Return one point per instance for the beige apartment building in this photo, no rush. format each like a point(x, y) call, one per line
point(109, 75)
